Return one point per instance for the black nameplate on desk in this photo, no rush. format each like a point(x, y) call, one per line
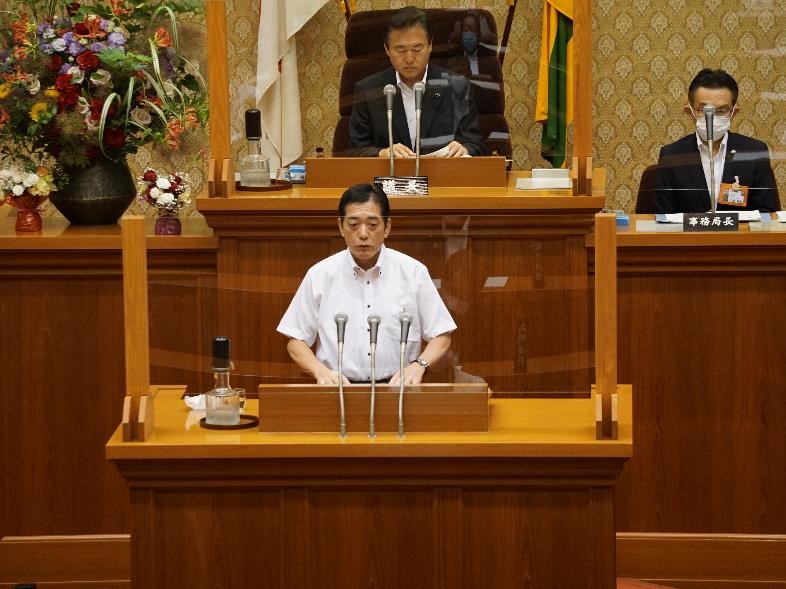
point(403, 185)
point(726, 221)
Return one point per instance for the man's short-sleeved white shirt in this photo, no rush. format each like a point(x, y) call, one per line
point(396, 284)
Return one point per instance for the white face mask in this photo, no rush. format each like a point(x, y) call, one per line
point(720, 125)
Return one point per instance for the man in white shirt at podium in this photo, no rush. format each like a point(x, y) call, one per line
point(366, 279)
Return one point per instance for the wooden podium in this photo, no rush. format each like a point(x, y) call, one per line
point(528, 503)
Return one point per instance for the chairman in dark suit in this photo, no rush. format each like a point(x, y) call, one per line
point(741, 163)
point(449, 116)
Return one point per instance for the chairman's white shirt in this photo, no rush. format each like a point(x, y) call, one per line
point(720, 162)
point(408, 98)
point(337, 284)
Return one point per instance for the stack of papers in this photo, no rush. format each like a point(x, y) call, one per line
point(545, 178)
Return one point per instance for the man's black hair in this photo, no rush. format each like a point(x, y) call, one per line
point(409, 16)
point(362, 193)
point(713, 79)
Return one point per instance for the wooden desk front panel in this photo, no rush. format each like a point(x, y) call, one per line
point(483, 526)
point(63, 381)
point(702, 343)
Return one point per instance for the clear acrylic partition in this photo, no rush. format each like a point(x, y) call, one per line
point(522, 300)
point(505, 92)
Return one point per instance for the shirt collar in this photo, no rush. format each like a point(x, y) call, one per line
point(378, 266)
point(724, 142)
point(399, 83)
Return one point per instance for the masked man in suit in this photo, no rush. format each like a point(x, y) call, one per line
point(743, 175)
point(449, 116)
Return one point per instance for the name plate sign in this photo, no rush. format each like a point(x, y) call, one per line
point(711, 222)
point(403, 185)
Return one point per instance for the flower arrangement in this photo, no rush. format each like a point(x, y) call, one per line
point(166, 192)
point(26, 190)
point(103, 77)
point(17, 185)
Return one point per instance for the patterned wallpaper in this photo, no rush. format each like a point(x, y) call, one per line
point(645, 54)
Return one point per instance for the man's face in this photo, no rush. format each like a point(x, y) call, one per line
point(409, 51)
point(364, 231)
point(720, 98)
point(470, 24)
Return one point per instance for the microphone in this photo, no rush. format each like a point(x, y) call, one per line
point(419, 88)
point(390, 93)
point(341, 323)
point(709, 118)
point(405, 319)
point(373, 324)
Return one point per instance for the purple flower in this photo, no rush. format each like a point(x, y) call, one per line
point(166, 59)
point(46, 48)
point(104, 24)
point(116, 39)
point(68, 36)
point(64, 68)
point(75, 48)
point(97, 47)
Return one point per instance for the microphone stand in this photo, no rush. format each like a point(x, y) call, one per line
point(401, 389)
point(372, 432)
point(405, 319)
point(709, 119)
point(419, 88)
point(342, 414)
point(390, 140)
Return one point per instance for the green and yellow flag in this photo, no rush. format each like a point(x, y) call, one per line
point(554, 106)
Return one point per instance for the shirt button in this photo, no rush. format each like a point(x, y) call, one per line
point(368, 306)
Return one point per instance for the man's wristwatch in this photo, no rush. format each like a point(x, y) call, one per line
point(422, 362)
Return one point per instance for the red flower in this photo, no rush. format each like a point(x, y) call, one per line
point(88, 61)
point(55, 63)
point(114, 138)
point(149, 176)
point(162, 38)
point(63, 83)
point(67, 100)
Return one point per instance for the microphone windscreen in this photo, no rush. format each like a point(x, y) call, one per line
point(220, 353)
point(709, 110)
point(709, 113)
point(406, 320)
point(341, 323)
point(390, 93)
point(419, 88)
point(373, 325)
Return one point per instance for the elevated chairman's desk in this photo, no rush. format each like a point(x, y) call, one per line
point(700, 341)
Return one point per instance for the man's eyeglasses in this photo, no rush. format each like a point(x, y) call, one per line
point(723, 113)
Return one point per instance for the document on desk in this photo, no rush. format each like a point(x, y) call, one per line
point(442, 152)
point(781, 215)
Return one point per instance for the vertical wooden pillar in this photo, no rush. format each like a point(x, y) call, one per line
point(582, 96)
point(218, 88)
point(138, 406)
point(606, 320)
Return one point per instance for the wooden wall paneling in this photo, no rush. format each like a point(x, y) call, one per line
point(704, 354)
point(66, 561)
point(62, 391)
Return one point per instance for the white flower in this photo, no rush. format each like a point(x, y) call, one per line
point(84, 105)
point(18, 189)
point(58, 45)
point(165, 198)
point(90, 123)
point(100, 77)
point(163, 183)
point(77, 75)
point(34, 87)
point(155, 192)
point(30, 180)
point(141, 116)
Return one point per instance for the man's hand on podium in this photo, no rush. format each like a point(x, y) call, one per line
point(413, 374)
point(326, 376)
point(399, 150)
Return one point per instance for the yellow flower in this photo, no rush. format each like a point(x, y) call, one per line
point(5, 89)
point(37, 109)
point(51, 92)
